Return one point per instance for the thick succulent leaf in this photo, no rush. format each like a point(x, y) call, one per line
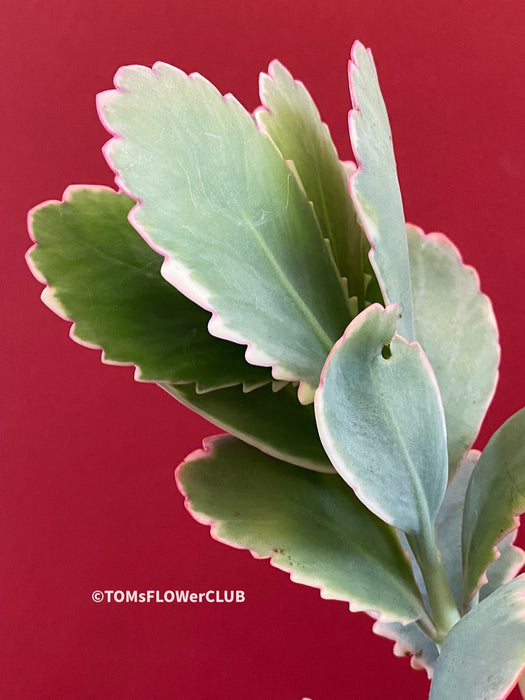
point(483, 655)
point(309, 524)
point(509, 563)
point(375, 188)
point(409, 640)
point(457, 329)
point(381, 421)
point(291, 118)
point(495, 499)
point(275, 422)
point(449, 523)
point(106, 279)
point(218, 200)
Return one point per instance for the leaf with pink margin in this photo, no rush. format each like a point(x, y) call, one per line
point(375, 187)
point(507, 566)
point(409, 639)
point(216, 198)
point(449, 522)
point(495, 499)
point(102, 276)
point(381, 421)
point(456, 327)
point(291, 119)
point(483, 655)
point(274, 422)
point(309, 524)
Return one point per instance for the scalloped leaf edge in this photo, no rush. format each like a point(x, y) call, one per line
point(175, 272)
point(49, 295)
point(207, 449)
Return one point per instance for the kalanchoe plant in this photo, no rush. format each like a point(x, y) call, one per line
point(279, 293)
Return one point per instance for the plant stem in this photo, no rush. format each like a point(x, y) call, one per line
point(445, 613)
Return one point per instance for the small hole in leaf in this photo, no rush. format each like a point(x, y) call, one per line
point(386, 352)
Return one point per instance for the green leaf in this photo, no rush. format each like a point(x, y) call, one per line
point(409, 640)
point(375, 188)
point(381, 421)
point(494, 501)
point(309, 524)
point(106, 279)
point(275, 422)
point(483, 655)
point(291, 118)
point(456, 327)
point(449, 523)
point(216, 197)
point(506, 567)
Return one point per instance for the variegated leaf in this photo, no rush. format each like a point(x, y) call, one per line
point(483, 655)
point(495, 499)
point(310, 525)
point(104, 277)
point(290, 117)
point(381, 421)
point(275, 422)
point(507, 566)
point(218, 200)
point(375, 188)
point(409, 640)
point(457, 329)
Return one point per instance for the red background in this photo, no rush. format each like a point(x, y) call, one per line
point(89, 500)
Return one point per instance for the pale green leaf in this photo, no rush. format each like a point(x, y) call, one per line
point(409, 640)
point(310, 525)
point(381, 421)
point(449, 523)
point(106, 279)
point(508, 565)
point(291, 118)
point(495, 499)
point(275, 422)
point(456, 327)
point(483, 655)
point(375, 188)
point(218, 200)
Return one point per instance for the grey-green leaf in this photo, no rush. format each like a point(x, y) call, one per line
point(483, 655)
point(291, 118)
point(309, 524)
point(218, 200)
point(106, 279)
point(508, 565)
point(495, 499)
point(409, 640)
point(375, 187)
point(449, 522)
point(381, 421)
point(457, 329)
point(274, 422)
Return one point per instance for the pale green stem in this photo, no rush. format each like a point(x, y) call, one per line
point(445, 613)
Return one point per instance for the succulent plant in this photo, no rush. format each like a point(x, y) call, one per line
point(351, 357)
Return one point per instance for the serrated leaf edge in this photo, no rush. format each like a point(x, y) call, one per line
point(444, 243)
point(246, 437)
point(325, 592)
point(401, 648)
point(298, 84)
point(50, 299)
point(175, 272)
